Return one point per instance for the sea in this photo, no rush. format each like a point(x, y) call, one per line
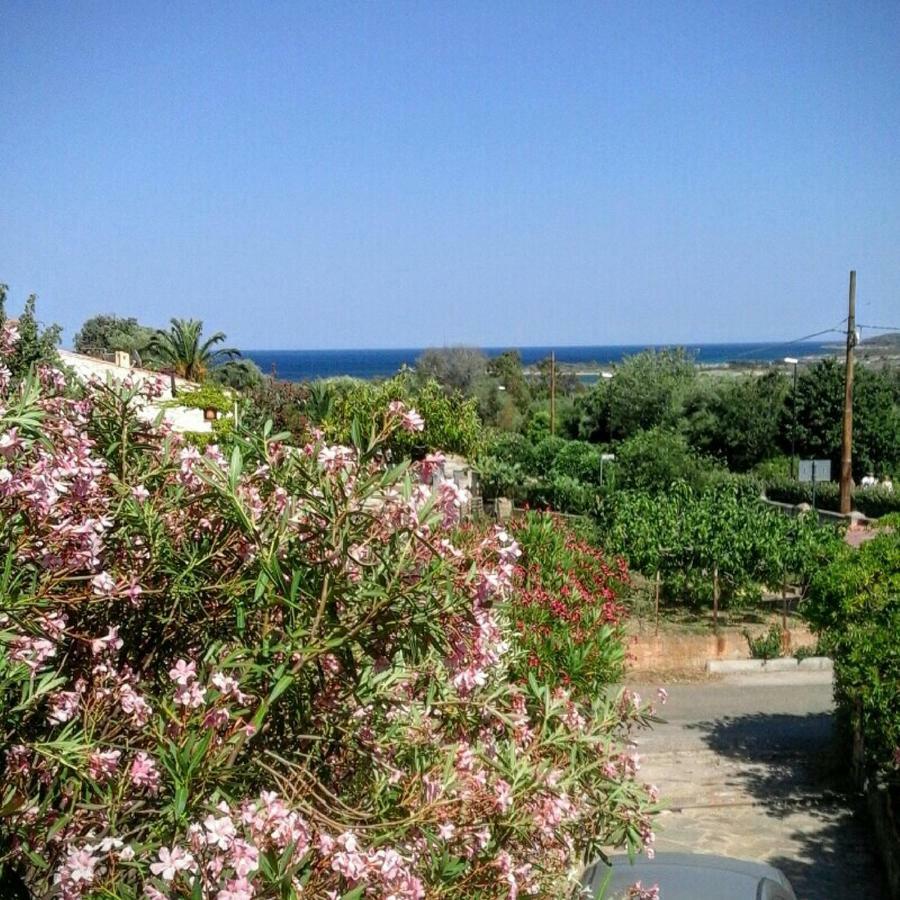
point(307, 365)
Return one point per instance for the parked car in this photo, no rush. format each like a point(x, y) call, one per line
point(689, 876)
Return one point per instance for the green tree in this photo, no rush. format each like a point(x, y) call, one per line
point(35, 344)
point(653, 460)
point(103, 334)
point(739, 420)
point(239, 374)
point(181, 349)
point(820, 404)
point(854, 605)
point(507, 369)
point(649, 390)
point(454, 368)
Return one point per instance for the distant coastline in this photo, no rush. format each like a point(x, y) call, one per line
point(304, 365)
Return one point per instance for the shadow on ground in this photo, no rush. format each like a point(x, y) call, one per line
point(793, 768)
point(788, 758)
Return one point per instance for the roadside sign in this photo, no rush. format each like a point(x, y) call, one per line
point(814, 470)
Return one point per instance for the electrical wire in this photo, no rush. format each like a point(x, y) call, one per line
point(798, 340)
point(879, 327)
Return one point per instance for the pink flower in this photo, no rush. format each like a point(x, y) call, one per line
point(140, 493)
point(10, 442)
point(63, 706)
point(244, 858)
point(503, 796)
point(220, 832)
point(637, 892)
point(143, 772)
point(236, 889)
point(102, 765)
point(103, 584)
point(662, 695)
point(183, 672)
point(192, 696)
point(79, 867)
point(412, 421)
point(171, 862)
point(110, 641)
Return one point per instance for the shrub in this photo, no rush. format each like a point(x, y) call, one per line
point(854, 605)
point(689, 535)
point(654, 460)
point(579, 460)
point(273, 674)
point(281, 402)
point(567, 616)
point(871, 501)
point(501, 479)
point(452, 420)
point(767, 645)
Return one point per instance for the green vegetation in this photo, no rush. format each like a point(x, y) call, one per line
point(854, 605)
point(768, 645)
point(721, 537)
point(104, 334)
point(451, 420)
point(181, 349)
point(32, 343)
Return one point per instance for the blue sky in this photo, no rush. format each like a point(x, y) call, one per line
point(407, 174)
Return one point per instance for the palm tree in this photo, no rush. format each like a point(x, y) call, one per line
point(180, 349)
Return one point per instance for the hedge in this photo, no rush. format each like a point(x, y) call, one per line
point(871, 501)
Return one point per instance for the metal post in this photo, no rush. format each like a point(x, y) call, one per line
point(847, 429)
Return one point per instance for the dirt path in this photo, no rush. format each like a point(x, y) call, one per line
point(747, 768)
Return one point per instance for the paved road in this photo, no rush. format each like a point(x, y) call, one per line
point(747, 768)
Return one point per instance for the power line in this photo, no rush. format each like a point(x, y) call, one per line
point(879, 327)
point(798, 340)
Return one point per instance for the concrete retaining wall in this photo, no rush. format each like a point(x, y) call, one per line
point(677, 651)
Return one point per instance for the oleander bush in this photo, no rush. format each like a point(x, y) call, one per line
point(567, 615)
point(451, 420)
point(277, 674)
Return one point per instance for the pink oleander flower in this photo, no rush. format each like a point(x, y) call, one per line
point(220, 831)
point(10, 442)
point(140, 493)
point(63, 706)
point(662, 695)
point(144, 773)
point(171, 862)
point(77, 871)
point(103, 584)
point(503, 796)
point(244, 857)
point(102, 764)
point(412, 421)
point(110, 641)
point(638, 892)
point(183, 672)
point(192, 696)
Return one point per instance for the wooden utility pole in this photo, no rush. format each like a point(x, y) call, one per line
point(552, 392)
point(847, 429)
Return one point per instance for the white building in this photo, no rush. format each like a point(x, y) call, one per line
point(181, 418)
